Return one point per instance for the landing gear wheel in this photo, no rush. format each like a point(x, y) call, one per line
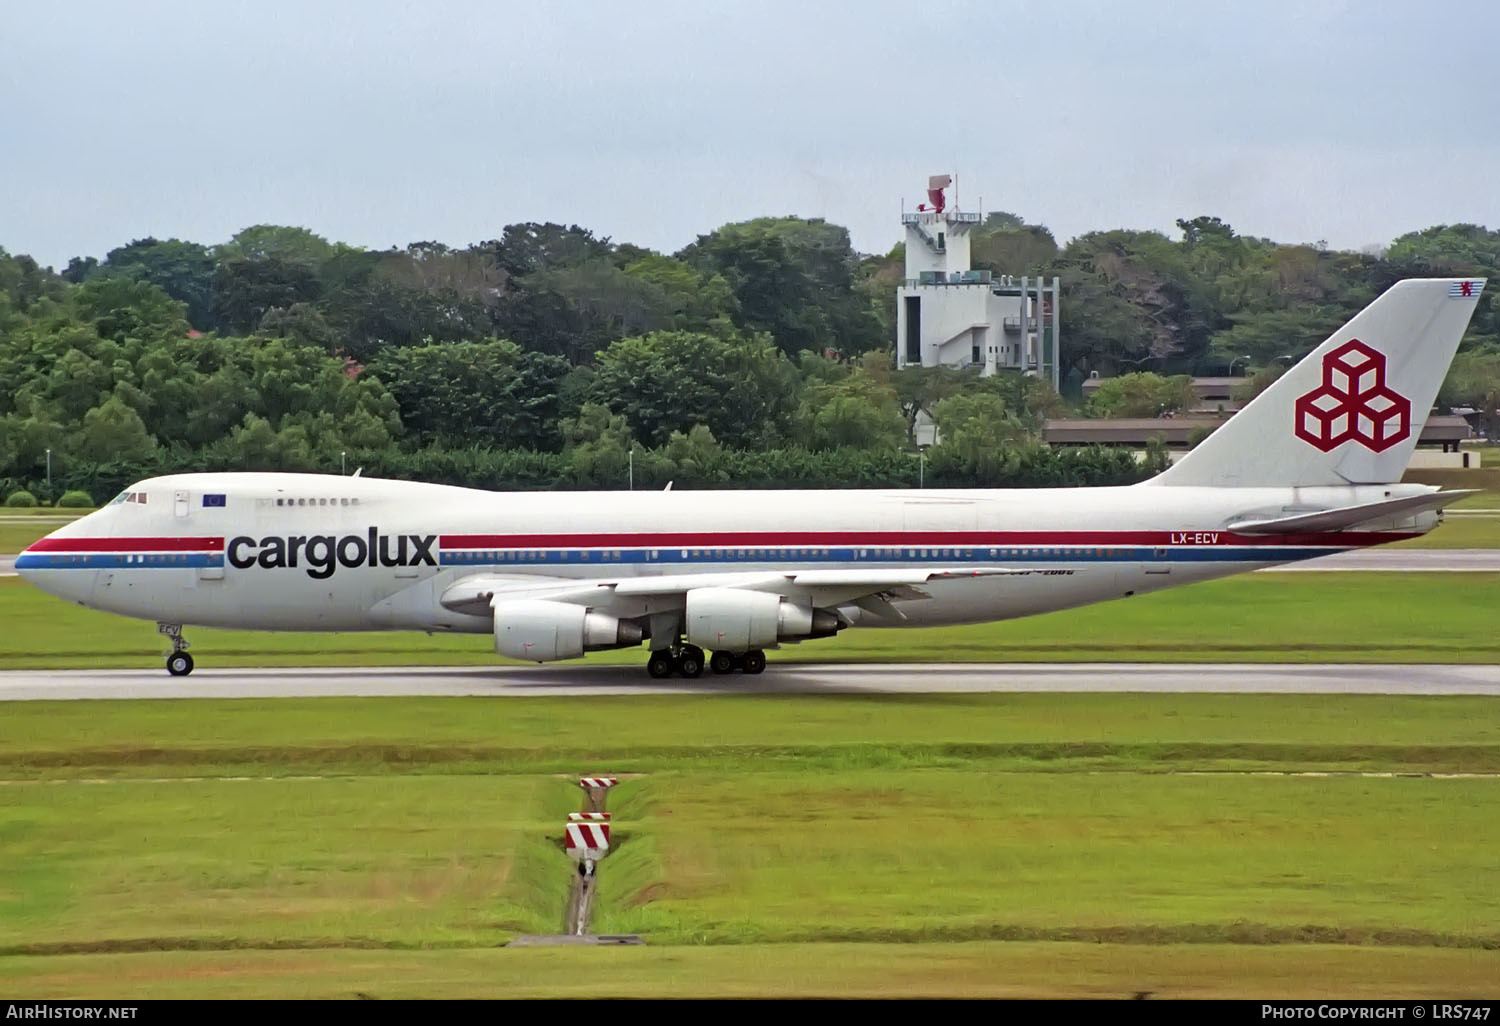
point(179, 664)
point(755, 661)
point(722, 662)
point(690, 661)
point(660, 664)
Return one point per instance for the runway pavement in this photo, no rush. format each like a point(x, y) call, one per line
point(1401, 561)
point(868, 678)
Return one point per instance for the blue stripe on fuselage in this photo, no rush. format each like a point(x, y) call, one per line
point(790, 556)
point(116, 560)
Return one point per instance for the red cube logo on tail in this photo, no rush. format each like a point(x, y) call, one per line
point(1353, 403)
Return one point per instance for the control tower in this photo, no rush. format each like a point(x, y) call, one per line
point(949, 314)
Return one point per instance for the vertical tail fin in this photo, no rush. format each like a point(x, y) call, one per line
point(1350, 412)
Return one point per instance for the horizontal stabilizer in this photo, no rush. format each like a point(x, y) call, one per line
point(1351, 516)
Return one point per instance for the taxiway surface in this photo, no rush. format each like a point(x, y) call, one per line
point(1400, 561)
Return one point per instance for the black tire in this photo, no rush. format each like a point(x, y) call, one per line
point(660, 664)
point(755, 661)
point(179, 664)
point(722, 662)
point(690, 662)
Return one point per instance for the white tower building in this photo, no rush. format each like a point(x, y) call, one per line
point(947, 313)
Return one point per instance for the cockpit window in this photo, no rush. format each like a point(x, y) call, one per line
point(118, 499)
point(128, 497)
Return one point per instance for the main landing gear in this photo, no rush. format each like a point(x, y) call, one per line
point(688, 661)
point(752, 662)
point(179, 663)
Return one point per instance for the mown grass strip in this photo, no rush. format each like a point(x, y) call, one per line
point(1190, 933)
point(877, 855)
point(739, 732)
point(1080, 756)
point(943, 970)
point(1305, 617)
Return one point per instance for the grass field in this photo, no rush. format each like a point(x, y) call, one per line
point(1027, 845)
point(1007, 845)
point(1305, 617)
point(20, 527)
point(1472, 531)
point(723, 733)
point(971, 970)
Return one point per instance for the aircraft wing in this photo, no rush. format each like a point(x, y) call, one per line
point(1350, 516)
point(476, 593)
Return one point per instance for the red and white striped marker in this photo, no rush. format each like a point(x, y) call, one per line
point(589, 783)
point(587, 840)
point(588, 817)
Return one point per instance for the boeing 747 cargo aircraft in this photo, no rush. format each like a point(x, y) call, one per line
point(1311, 466)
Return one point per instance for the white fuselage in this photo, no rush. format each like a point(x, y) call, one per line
point(332, 553)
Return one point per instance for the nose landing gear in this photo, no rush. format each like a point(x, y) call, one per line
point(179, 663)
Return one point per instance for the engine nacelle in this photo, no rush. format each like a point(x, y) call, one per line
point(542, 631)
point(731, 620)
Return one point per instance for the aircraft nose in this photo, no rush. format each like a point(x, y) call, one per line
point(65, 575)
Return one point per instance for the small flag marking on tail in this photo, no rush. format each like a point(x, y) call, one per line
point(1465, 289)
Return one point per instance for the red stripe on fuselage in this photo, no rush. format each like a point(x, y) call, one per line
point(906, 539)
point(127, 545)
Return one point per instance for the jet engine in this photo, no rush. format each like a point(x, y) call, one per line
point(732, 620)
point(542, 631)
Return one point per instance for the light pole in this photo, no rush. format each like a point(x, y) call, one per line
point(630, 470)
point(49, 473)
point(922, 467)
point(343, 464)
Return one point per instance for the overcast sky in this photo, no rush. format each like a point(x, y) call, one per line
point(381, 123)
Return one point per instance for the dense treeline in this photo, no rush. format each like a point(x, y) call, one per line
point(549, 357)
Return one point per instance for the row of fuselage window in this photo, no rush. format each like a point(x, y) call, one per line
point(756, 555)
point(317, 502)
point(129, 559)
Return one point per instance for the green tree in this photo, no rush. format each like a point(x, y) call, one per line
point(277, 242)
point(24, 282)
point(1142, 394)
point(1474, 382)
point(183, 270)
point(794, 279)
point(1130, 298)
point(671, 380)
point(696, 456)
point(1006, 244)
point(487, 391)
point(259, 446)
point(245, 290)
point(856, 412)
point(920, 389)
point(524, 249)
point(599, 446)
point(112, 430)
point(980, 435)
point(696, 301)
